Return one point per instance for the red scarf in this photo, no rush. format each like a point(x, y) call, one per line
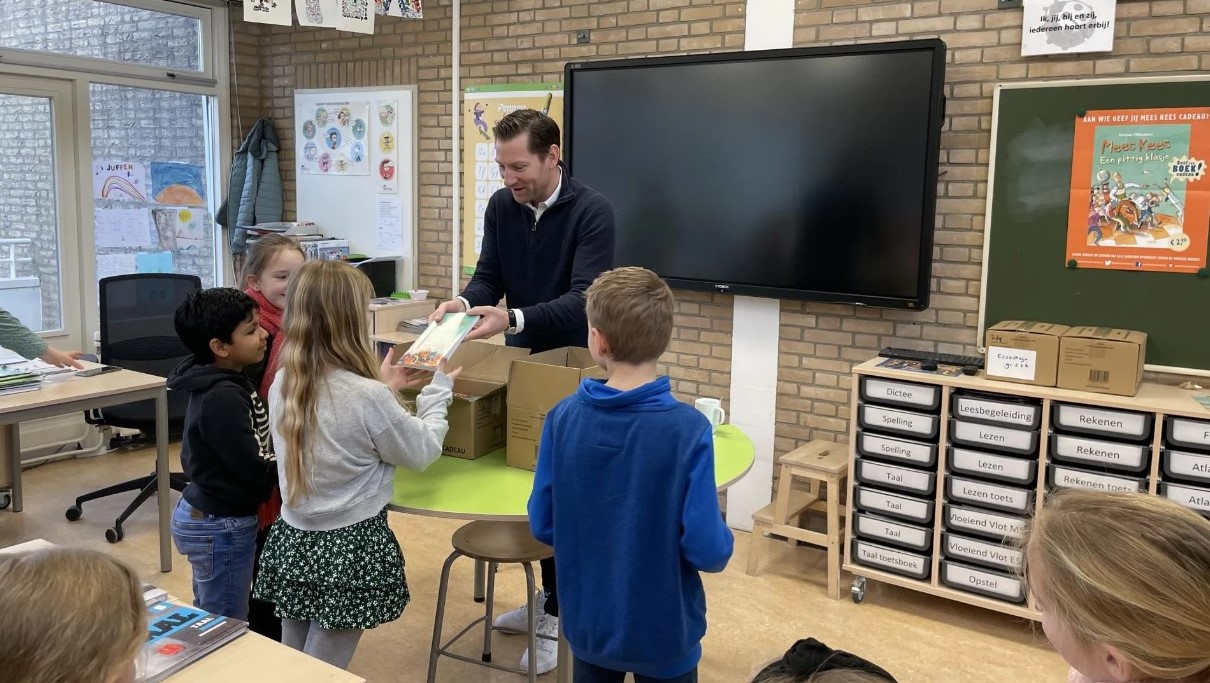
point(270, 320)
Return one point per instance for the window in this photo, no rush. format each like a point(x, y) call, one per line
point(101, 30)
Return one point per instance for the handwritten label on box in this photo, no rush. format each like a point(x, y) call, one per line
point(1019, 364)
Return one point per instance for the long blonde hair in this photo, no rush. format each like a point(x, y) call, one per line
point(326, 329)
point(68, 615)
point(1128, 570)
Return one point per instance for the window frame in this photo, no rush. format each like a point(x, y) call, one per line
point(77, 256)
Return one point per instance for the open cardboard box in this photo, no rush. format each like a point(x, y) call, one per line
point(536, 384)
point(477, 413)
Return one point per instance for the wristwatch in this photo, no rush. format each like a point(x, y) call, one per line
point(512, 322)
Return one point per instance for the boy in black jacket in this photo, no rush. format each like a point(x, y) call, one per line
point(226, 449)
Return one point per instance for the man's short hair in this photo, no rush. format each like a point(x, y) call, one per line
point(543, 131)
point(632, 308)
point(211, 314)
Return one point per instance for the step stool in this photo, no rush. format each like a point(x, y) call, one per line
point(824, 465)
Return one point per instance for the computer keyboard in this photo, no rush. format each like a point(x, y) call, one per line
point(932, 357)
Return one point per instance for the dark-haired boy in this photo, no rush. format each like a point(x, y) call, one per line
point(226, 449)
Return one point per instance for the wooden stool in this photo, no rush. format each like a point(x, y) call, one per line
point(822, 464)
point(495, 543)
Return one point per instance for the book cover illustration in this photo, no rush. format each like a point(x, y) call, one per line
point(439, 341)
point(179, 635)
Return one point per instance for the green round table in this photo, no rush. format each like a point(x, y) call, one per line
point(487, 488)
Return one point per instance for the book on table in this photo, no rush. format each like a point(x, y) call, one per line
point(439, 341)
point(15, 381)
point(179, 635)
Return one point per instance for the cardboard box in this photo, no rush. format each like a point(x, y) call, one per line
point(1023, 351)
point(477, 414)
point(535, 385)
point(1102, 359)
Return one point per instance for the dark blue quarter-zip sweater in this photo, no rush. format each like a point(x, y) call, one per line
point(625, 493)
point(544, 267)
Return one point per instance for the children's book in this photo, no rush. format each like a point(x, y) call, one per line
point(439, 341)
point(179, 635)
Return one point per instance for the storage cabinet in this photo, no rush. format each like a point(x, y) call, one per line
point(945, 471)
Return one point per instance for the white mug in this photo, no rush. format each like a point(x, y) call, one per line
point(712, 408)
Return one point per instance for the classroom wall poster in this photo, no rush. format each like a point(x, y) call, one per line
point(408, 9)
point(482, 107)
point(124, 181)
point(355, 16)
point(277, 12)
point(319, 13)
point(1140, 199)
point(179, 228)
point(385, 164)
point(178, 184)
point(333, 138)
point(1067, 26)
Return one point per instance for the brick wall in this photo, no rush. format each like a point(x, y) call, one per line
point(530, 40)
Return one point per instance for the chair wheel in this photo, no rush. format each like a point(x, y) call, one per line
point(6, 499)
point(73, 513)
point(857, 590)
point(114, 534)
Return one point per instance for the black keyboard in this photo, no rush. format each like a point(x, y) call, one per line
point(932, 357)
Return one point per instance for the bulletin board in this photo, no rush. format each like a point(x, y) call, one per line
point(1032, 205)
point(355, 163)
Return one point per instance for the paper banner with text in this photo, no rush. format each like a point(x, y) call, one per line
point(482, 107)
point(408, 9)
point(333, 138)
point(277, 12)
point(385, 166)
point(1067, 26)
point(1140, 199)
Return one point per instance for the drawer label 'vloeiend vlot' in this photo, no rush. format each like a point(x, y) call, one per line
point(982, 551)
point(985, 522)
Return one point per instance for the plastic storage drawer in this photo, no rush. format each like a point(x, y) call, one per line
point(1065, 477)
point(899, 479)
point(890, 392)
point(1114, 455)
point(1000, 439)
point(996, 525)
point(901, 422)
point(1002, 468)
point(1191, 467)
point(996, 411)
point(1115, 424)
point(903, 451)
point(899, 506)
point(986, 494)
point(1195, 497)
point(986, 582)
point(980, 551)
point(1186, 433)
point(887, 559)
point(885, 530)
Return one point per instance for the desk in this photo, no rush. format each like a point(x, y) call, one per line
point(64, 395)
point(385, 318)
point(487, 488)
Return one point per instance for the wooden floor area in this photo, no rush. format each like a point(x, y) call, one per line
point(752, 619)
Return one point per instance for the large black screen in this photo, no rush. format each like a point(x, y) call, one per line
point(807, 174)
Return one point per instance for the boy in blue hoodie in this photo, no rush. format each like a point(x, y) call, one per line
point(624, 491)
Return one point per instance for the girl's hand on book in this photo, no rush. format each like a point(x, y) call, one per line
point(399, 377)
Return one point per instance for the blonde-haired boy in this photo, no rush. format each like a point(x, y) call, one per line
point(624, 492)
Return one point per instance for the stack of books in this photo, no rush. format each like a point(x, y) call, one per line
point(15, 381)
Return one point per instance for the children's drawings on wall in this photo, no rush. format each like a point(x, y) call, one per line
point(355, 15)
point(178, 184)
point(109, 265)
point(386, 162)
point(333, 137)
point(325, 13)
point(408, 9)
point(123, 228)
point(179, 228)
point(275, 12)
point(154, 262)
point(119, 181)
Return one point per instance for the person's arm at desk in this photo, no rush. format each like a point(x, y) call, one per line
point(541, 506)
point(19, 338)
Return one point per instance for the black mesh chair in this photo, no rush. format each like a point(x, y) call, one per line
point(137, 333)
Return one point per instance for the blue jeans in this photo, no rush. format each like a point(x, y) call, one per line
point(222, 553)
point(583, 672)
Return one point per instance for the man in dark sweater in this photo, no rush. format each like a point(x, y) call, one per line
point(546, 237)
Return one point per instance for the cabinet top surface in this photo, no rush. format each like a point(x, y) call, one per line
point(1151, 397)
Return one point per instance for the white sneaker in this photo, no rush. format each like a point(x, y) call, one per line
point(517, 621)
point(548, 650)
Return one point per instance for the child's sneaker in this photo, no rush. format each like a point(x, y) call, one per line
point(517, 621)
point(548, 650)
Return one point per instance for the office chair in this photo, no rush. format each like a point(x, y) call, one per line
point(138, 333)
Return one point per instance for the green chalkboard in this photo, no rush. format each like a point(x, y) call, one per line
point(1025, 273)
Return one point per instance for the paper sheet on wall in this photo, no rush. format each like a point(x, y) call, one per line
point(386, 163)
point(389, 229)
point(325, 13)
point(120, 181)
point(334, 138)
point(357, 16)
point(123, 228)
point(154, 262)
point(179, 228)
point(277, 12)
point(1052, 27)
point(109, 265)
point(408, 9)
